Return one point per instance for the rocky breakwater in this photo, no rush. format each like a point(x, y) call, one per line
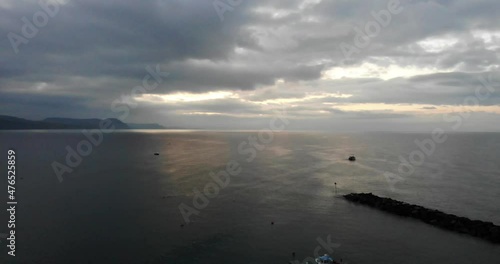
point(484, 230)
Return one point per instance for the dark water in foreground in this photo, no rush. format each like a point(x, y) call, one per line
point(121, 205)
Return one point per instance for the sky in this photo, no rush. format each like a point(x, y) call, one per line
point(331, 65)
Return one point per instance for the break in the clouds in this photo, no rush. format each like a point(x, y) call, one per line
point(332, 64)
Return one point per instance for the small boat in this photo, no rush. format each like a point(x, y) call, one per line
point(325, 259)
point(157, 154)
point(352, 158)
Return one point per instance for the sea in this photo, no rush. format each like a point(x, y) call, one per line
point(243, 197)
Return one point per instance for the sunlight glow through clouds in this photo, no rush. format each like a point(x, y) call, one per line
point(437, 44)
point(308, 105)
point(312, 96)
point(188, 97)
point(227, 114)
point(40, 86)
point(371, 70)
point(196, 97)
point(414, 108)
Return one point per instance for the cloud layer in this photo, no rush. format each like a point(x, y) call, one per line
point(427, 61)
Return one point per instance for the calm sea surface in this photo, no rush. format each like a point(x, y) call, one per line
point(121, 204)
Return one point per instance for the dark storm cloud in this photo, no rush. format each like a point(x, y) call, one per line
point(118, 38)
point(39, 106)
point(192, 77)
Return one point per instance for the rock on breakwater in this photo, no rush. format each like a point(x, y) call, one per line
point(484, 230)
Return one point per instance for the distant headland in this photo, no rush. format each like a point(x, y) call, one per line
point(16, 123)
point(484, 230)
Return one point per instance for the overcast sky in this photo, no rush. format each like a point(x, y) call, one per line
point(331, 65)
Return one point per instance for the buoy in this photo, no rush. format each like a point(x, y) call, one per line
point(272, 223)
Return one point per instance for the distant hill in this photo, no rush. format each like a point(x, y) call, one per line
point(10, 122)
point(14, 123)
point(85, 123)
